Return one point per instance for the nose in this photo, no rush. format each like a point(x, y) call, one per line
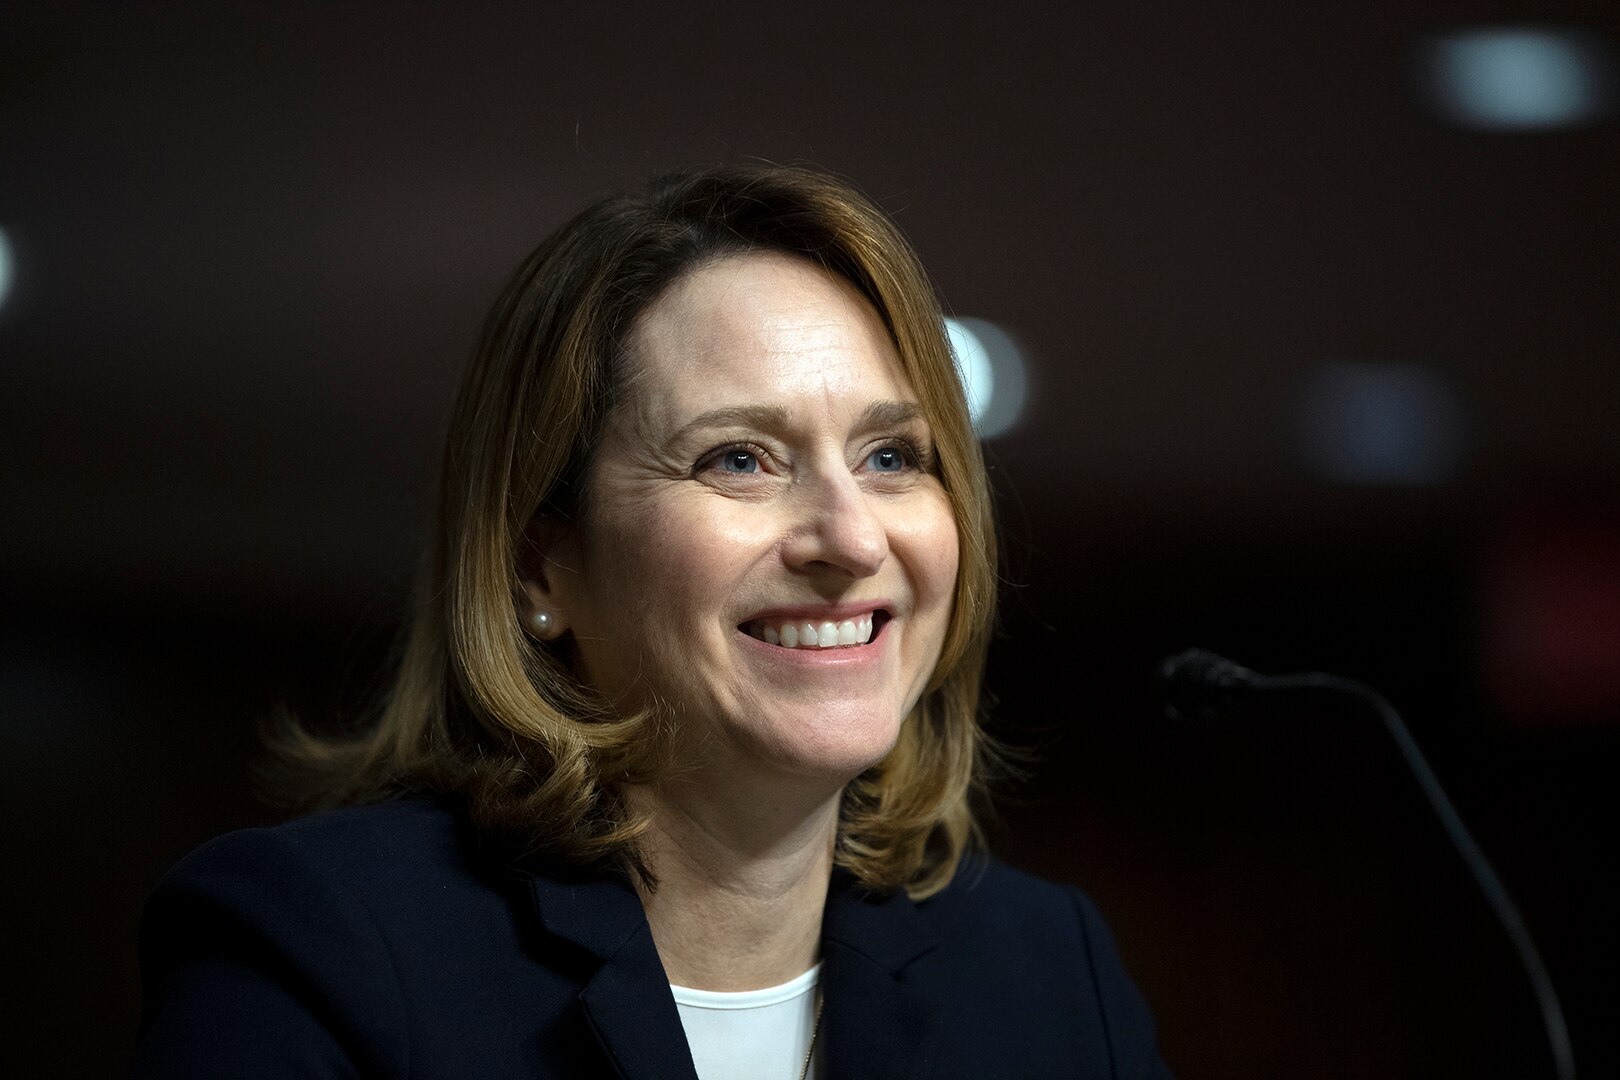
point(839, 528)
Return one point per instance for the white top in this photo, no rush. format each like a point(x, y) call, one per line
point(750, 1034)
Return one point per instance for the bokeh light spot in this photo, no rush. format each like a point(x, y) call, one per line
point(7, 268)
point(1381, 424)
point(991, 368)
point(1518, 78)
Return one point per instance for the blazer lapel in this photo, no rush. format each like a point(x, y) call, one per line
point(627, 1000)
point(876, 1021)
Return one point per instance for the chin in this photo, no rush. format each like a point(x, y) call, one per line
point(828, 741)
point(837, 762)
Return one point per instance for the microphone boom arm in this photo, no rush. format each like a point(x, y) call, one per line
point(1198, 684)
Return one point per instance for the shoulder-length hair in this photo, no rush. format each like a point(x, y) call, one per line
point(480, 709)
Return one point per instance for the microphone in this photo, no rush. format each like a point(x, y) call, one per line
point(1204, 687)
point(1197, 686)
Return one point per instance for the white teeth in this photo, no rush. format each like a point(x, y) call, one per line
point(809, 635)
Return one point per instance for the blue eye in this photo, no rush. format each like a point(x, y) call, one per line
point(887, 459)
point(739, 461)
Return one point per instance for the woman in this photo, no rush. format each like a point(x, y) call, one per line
point(685, 733)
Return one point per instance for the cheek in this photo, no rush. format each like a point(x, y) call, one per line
point(935, 558)
point(934, 554)
point(679, 561)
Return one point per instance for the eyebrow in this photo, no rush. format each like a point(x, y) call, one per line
point(881, 414)
point(776, 417)
point(765, 417)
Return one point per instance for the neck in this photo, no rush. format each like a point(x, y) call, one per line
point(741, 884)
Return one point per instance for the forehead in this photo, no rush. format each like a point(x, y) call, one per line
point(760, 327)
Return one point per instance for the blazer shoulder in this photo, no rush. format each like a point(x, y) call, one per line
point(270, 945)
point(987, 891)
point(420, 828)
point(297, 873)
point(1036, 927)
point(324, 944)
point(369, 848)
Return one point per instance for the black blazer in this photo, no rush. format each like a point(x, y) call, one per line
point(380, 942)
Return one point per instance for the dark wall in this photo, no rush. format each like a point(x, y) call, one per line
point(253, 243)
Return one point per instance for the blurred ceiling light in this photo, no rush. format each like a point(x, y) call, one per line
point(1381, 424)
point(992, 373)
point(1518, 78)
point(7, 267)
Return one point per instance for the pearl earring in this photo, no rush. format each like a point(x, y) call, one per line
point(541, 622)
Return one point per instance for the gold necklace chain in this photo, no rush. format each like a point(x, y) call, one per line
point(804, 1073)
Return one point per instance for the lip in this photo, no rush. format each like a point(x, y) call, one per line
point(820, 612)
point(845, 656)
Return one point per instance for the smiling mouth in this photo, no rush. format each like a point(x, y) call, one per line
point(817, 633)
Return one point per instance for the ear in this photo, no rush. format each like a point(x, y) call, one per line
point(548, 569)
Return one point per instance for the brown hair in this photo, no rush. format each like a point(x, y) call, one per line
point(480, 709)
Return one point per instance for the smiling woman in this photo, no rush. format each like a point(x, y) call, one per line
point(801, 502)
point(676, 777)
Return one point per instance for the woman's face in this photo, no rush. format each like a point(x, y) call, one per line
point(763, 483)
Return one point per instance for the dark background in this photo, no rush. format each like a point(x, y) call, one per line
point(254, 242)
